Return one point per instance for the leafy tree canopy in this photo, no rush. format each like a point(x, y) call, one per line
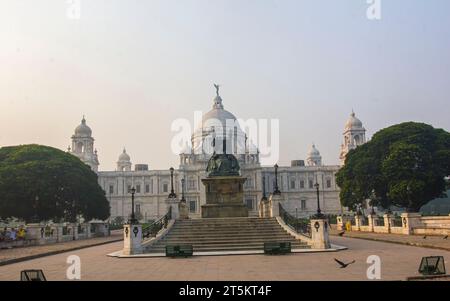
point(47, 183)
point(404, 165)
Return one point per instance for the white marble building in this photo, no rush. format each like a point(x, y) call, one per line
point(296, 182)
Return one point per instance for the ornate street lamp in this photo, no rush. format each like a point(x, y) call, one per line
point(182, 191)
point(319, 212)
point(133, 217)
point(264, 188)
point(276, 191)
point(172, 194)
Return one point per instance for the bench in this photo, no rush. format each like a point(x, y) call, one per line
point(277, 247)
point(179, 250)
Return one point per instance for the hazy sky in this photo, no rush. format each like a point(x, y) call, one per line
point(132, 67)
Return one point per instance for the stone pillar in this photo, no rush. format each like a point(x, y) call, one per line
point(275, 200)
point(340, 223)
point(264, 208)
point(174, 203)
point(36, 232)
point(59, 232)
point(87, 230)
point(319, 234)
point(410, 221)
point(387, 222)
point(371, 220)
point(74, 231)
point(357, 222)
point(132, 239)
point(183, 210)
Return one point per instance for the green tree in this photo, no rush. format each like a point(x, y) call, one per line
point(48, 183)
point(403, 165)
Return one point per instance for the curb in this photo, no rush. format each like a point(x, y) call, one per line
point(30, 257)
point(411, 244)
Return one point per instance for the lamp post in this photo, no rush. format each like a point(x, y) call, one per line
point(264, 187)
point(182, 191)
point(276, 191)
point(133, 217)
point(172, 194)
point(319, 212)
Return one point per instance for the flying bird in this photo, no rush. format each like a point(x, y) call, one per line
point(446, 236)
point(425, 237)
point(341, 233)
point(343, 265)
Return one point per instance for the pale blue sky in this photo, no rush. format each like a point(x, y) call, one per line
point(132, 67)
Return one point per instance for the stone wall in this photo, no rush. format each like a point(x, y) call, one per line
point(41, 234)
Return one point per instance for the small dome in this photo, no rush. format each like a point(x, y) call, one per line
point(83, 130)
point(313, 151)
point(124, 157)
point(353, 122)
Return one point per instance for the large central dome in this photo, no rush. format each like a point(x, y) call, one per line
point(218, 113)
point(218, 125)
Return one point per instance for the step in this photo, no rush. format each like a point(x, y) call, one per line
point(263, 234)
point(218, 240)
point(228, 248)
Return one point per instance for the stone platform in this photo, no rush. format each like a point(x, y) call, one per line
point(224, 197)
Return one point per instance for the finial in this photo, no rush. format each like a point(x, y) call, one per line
point(353, 113)
point(84, 119)
point(68, 149)
point(124, 150)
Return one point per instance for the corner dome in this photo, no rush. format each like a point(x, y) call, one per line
point(124, 157)
point(313, 151)
point(83, 130)
point(353, 122)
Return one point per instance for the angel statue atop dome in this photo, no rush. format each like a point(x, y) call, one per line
point(217, 88)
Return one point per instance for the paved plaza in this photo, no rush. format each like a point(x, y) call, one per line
point(397, 263)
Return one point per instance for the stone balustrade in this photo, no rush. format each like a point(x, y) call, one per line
point(406, 223)
point(42, 234)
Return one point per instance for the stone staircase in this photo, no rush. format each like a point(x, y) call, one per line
point(225, 234)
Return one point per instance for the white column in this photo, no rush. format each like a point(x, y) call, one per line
point(320, 234)
point(132, 239)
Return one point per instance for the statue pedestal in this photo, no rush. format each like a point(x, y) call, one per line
point(224, 197)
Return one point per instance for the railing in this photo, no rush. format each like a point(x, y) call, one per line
point(379, 221)
point(397, 222)
point(153, 229)
point(300, 225)
point(364, 221)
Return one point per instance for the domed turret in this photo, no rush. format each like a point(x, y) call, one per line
point(83, 145)
point(83, 130)
point(124, 162)
point(353, 122)
point(313, 157)
point(354, 136)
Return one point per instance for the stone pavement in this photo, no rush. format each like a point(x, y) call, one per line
point(397, 263)
point(8, 256)
point(434, 242)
